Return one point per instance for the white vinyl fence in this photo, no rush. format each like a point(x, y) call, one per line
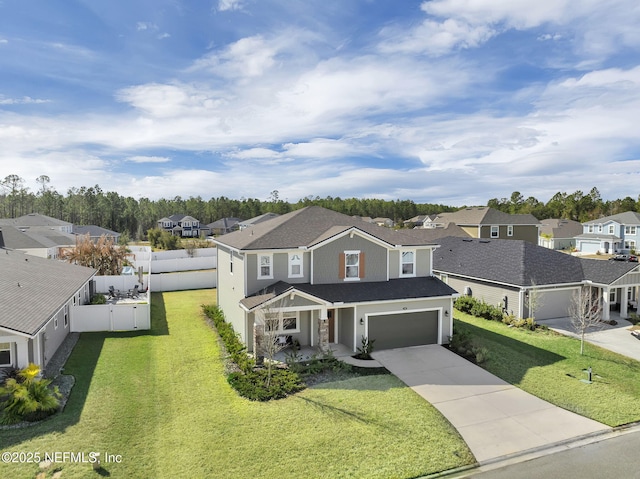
point(111, 317)
point(122, 282)
point(183, 280)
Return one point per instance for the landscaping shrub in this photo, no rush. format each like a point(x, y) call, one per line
point(236, 350)
point(249, 382)
point(462, 344)
point(99, 299)
point(27, 398)
point(464, 303)
point(252, 385)
point(478, 308)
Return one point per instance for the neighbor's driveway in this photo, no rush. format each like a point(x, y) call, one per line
point(616, 338)
point(494, 418)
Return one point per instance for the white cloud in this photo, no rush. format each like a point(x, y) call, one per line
point(25, 100)
point(3, 41)
point(226, 5)
point(142, 26)
point(148, 159)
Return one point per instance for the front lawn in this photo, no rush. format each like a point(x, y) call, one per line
point(550, 366)
point(160, 400)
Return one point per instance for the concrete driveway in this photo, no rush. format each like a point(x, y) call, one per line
point(616, 338)
point(494, 418)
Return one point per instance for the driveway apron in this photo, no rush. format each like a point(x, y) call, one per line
point(495, 418)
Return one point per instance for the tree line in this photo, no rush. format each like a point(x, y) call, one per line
point(135, 217)
point(575, 206)
point(93, 206)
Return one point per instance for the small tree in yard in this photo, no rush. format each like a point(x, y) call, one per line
point(533, 300)
point(271, 322)
point(103, 255)
point(585, 312)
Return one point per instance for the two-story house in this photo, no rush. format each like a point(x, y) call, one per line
point(559, 233)
point(184, 226)
point(489, 223)
point(612, 234)
point(335, 279)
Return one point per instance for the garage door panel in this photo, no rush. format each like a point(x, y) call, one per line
point(404, 329)
point(554, 304)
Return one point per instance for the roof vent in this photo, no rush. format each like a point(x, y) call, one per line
point(485, 241)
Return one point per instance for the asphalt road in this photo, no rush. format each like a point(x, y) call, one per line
point(616, 457)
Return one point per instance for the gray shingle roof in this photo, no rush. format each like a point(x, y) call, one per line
point(521, 263)
point(307, 227)
point(94, 231)
point(357, 292)
point(34, 219)
point(560, 228)
point(33, 289)
point(35, 237)
point(483, 215)
point(605, 272)
point(626, 218)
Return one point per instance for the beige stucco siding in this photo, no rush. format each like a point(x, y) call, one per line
point(326, 259)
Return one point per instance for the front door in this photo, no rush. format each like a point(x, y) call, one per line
point(332, 325)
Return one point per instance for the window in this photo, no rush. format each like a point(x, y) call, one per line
point(352, 265)
point(599, 228)
point(5, 354)
point(295, 265)
point(66, 316)
point(629, 244)
point(611, 229)
point(495, 231)
point(629, 230)
point(265, 266)
point(282, 323)
point(590, 228)
point(231, 262)
point(407, 263)
point(510, 230)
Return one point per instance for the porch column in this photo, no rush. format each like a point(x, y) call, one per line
point(22, 352)
point(258, 340)
point(323, 330)
point(605, 304)
point(624, 303)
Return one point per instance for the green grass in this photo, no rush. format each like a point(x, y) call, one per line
point(160, 399)
point(550, 366)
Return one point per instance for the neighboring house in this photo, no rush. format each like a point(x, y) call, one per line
point(224, 226)
point(336, 279)
point(37, 300)
point(96, 232)
point(386, 222)
point(41, 241)
point(184, 226)
point(256, 220)
point(612, 234)
point(36, 219)
point(505, 273)
point(485, 222)
point(559, 233)
point(424, 221)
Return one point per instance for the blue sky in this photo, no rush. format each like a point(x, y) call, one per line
point(444, 101)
